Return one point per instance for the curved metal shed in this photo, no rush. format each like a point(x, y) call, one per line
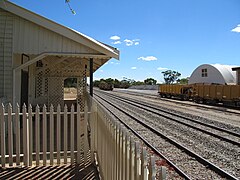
point(213, 74)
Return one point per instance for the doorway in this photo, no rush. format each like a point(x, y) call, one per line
point(24, 87)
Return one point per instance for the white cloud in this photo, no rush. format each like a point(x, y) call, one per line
point(133, 67)
point(236, 29)
point(111, 62)
point(115, 38)
point(147, 58)
point(162, 69)
point(128, 42)
point(101, 70)
point(117, 42)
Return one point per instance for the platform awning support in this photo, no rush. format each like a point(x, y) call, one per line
point(91, 76)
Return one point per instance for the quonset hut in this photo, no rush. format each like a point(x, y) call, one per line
point(213, 74)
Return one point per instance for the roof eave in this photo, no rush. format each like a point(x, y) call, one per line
point(60, 29)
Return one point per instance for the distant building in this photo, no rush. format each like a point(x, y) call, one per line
point(237, 69)
point(213, 74)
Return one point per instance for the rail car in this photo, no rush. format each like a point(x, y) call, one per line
point(202, 93)
point(106, 86)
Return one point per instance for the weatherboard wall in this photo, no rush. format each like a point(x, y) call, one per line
point(31, 38)
point(20, 36)
point(6, 46)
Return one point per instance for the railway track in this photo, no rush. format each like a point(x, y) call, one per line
point(219, 108)
point(190, 122)
point(203, 162)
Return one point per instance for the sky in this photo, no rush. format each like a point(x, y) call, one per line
point(153, 35)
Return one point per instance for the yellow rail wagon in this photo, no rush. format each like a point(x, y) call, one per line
point(205, 93)
point(175, 90)
point(227, 94)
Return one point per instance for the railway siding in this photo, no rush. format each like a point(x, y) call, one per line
point(200, 145)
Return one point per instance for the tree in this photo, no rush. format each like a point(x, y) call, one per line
point(170, 76)
point(136, 83)
point(183, 81)
point(150, 81)
point(70, 82)
point(109, 81)
point(116, 83)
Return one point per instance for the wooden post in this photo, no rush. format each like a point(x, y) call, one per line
point(86, 147)
point(65, 134)
point(127, 166)
point(91, 76)
point(162, 173)
point(151, 169)
point(44, 135)
point(78, 134)
point(37, 128)
point(72, 134)
point(30, 135)
point(137, 161)
point(25, 136)
point(10, 135)
point(51, 134)
point(133, 165)
point(58, 133)
point(17, 124)
point(3, 143)
point(144, 163)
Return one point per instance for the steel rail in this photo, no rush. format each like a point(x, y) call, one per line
point(213, 107)
point(202, 160)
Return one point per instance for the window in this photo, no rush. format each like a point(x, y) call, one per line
point(204, 72)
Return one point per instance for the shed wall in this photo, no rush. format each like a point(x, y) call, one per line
point(6, 42)
point(238, 77)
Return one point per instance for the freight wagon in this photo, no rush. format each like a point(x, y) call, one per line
point(106, 86)
point(202, 93)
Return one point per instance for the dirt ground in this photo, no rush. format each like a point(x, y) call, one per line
point(70, 93)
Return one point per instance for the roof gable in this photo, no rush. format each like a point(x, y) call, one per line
point(60, 29)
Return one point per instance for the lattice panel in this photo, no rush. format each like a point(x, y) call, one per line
point(55, 91)
point(50, 77)
point(81, 90)
point(46, 84)
point(39, 84)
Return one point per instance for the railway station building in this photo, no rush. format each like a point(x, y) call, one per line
point(38, 54)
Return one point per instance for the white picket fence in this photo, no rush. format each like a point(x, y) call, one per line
point(51, 137)
point(35, 138)
point(119, 156)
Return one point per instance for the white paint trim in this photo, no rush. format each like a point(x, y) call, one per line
point(43, 55)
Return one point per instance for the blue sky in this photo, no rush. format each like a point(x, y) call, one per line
point(153, 35)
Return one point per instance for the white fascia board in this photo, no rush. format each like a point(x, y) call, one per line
point(45, 54)
point(58, 28)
